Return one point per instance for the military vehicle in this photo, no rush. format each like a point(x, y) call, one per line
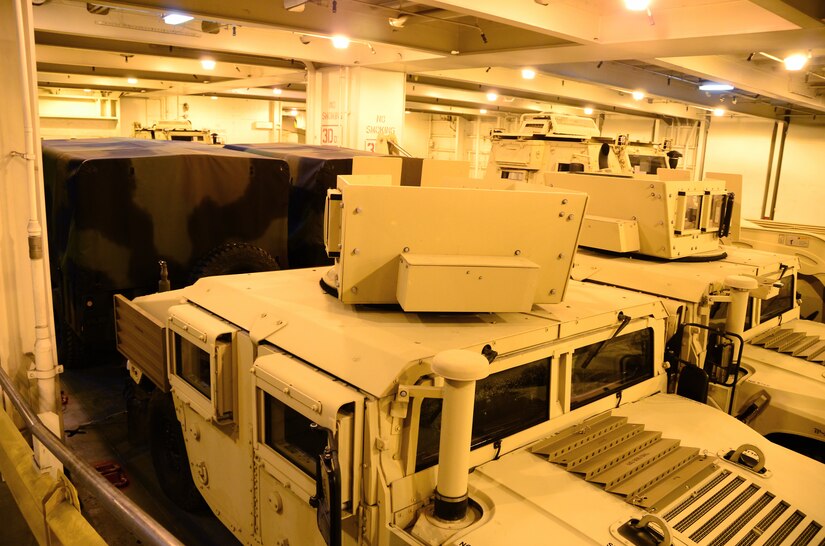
point(807, 243)
point(547, 142)
point(118, 206)
point(446, 383)
point(663, 237)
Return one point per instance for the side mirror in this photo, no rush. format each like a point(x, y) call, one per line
point(327, 499)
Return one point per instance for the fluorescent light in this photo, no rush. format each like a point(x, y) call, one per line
point(406, 112)
point(638, 95)
point(528, 73)
point(176, 18)
point(588, 111)
point(293, 112)
point(132, 80)
point(492, 95)
point(795, 62)
point(711, 86)
point(340, 42)
point(208, 64)
point(277, 91)
point(214, 97)
point(636, 5)
point(719, 111)
point(482, 111)
point(87, 90)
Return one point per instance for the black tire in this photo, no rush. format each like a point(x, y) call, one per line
point(232, 259)
point(169, 458)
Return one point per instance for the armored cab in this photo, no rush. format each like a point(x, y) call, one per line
point(548, 142)
point(446, 383)
point(735, 318)
point(116, 207)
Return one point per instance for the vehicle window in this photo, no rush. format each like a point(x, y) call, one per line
point(619, 363)
point(717, 207)
point(647, 163)
point(505, 403)
point(291, 434)
point(719, 313)
point(784, 301)
point(193, 366)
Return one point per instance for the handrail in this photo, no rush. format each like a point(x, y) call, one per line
point(113, 500)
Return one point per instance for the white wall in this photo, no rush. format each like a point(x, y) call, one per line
point(640, 129)
point(233, 119)
point(801, 197)
point(742, 146)
point(461, 137)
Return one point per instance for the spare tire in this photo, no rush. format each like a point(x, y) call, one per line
point(232, 259)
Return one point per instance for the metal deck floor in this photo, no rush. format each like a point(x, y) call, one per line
point(97, 405)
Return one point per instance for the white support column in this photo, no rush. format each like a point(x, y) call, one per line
point(356, 105)
point(25, 299)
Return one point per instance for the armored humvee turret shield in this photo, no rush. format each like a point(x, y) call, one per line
point(115, 207)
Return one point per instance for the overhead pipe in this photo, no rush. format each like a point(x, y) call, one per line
point(45, 367)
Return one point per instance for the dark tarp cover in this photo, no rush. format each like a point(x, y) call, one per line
point(313, 170)
point(117, 206)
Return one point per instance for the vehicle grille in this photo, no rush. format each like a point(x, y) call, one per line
point(703, 501)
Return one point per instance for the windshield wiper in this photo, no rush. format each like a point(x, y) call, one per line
point(625, 321)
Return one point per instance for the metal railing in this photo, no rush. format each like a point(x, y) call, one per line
point(111, 499)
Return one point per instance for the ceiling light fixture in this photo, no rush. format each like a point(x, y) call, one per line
point(208, 64)
point(638, 95)
point(482, 111)
point(293, 112)
point(214, 97)
point(528, 73)
point(132, 80)
point(795, 62)
point(491, 96)
point(176, 18)
point(87, 90)
point(588, 111)
point(340, 42)
point(398, 22)
point(719, 112)
point(277, 91)
point(637, 5)
point(712, 86)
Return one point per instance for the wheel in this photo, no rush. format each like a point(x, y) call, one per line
point(168, 450)
point(233, 258)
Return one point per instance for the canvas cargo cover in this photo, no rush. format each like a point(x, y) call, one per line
point(313, 170)
point(116, 206)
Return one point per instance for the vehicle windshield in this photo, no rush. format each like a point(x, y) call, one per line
point(719, 314)
point(506, 402)
point(619, 363)
point(648, 164)
point(782, 302)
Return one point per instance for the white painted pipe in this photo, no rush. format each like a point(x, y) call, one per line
point(43, 347)
point(740, 287)
point(460, 369)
